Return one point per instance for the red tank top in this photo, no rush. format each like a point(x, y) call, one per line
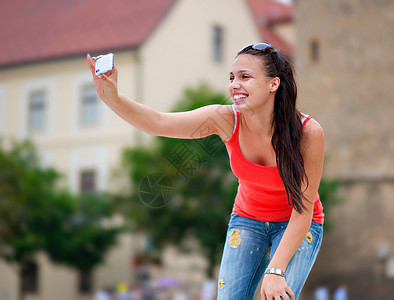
point(261, 194)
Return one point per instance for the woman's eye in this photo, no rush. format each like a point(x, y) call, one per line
point(245, 76)
point(231, 78)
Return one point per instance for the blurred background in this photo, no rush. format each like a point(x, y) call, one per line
point(91, 208)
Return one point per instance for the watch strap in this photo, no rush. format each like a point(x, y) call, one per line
point(275, 271)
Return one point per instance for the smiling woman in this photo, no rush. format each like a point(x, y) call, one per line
point(249, 85)
point(276, 225)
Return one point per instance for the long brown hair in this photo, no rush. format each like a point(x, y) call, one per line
point(286, 139)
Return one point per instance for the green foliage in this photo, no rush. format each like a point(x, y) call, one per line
point(24, 188)
point(328, 192)
point(81, 240)
point(203, 186)
point(35, 215)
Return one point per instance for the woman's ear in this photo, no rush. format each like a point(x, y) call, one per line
point(274, 84)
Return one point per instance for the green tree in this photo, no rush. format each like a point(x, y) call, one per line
point(328, 191)
point(25, 189)
point(195, 177)
point(82, 239)
point(36, 215)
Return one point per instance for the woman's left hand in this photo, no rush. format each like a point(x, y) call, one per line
point(273, 287)
point(105, 84)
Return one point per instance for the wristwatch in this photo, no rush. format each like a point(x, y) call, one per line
point(275, 271)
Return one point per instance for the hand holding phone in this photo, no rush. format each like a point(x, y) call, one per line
point(104, 64)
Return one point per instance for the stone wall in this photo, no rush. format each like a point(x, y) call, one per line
point(345, 67)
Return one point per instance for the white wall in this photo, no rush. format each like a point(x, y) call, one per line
point(8, 281)
point(2, 110)
point(179, 53)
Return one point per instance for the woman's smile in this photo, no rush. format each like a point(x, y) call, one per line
point(239, 98)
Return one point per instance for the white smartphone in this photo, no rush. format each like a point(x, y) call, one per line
point(104, 64)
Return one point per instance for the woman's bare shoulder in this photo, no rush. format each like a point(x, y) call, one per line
point(225, 118)
point(312, 136)
point(313, 128)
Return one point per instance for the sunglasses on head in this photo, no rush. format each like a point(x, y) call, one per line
point(264, 47)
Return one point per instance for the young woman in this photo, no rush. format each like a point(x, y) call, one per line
point(276, 225)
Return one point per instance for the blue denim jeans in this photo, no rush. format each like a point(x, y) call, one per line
point(250, 244)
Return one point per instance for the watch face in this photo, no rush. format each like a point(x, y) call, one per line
point(275, 271)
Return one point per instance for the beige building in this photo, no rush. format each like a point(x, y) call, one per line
point(345, 63)
point(46, 94)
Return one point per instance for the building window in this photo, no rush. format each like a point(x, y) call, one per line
point(89, 106)
point(85, 281)
point(217, 44)
point(37, 111)
point(29, 277)
point(315, 51)
point(87, 181)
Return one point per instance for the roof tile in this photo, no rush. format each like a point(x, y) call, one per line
point(37, 30)
point(267, 13)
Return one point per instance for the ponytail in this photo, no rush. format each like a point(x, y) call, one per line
point(286, 139)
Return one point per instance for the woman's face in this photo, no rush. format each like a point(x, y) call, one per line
point(249, 87)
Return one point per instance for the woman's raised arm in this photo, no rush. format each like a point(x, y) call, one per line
point(198, 123)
